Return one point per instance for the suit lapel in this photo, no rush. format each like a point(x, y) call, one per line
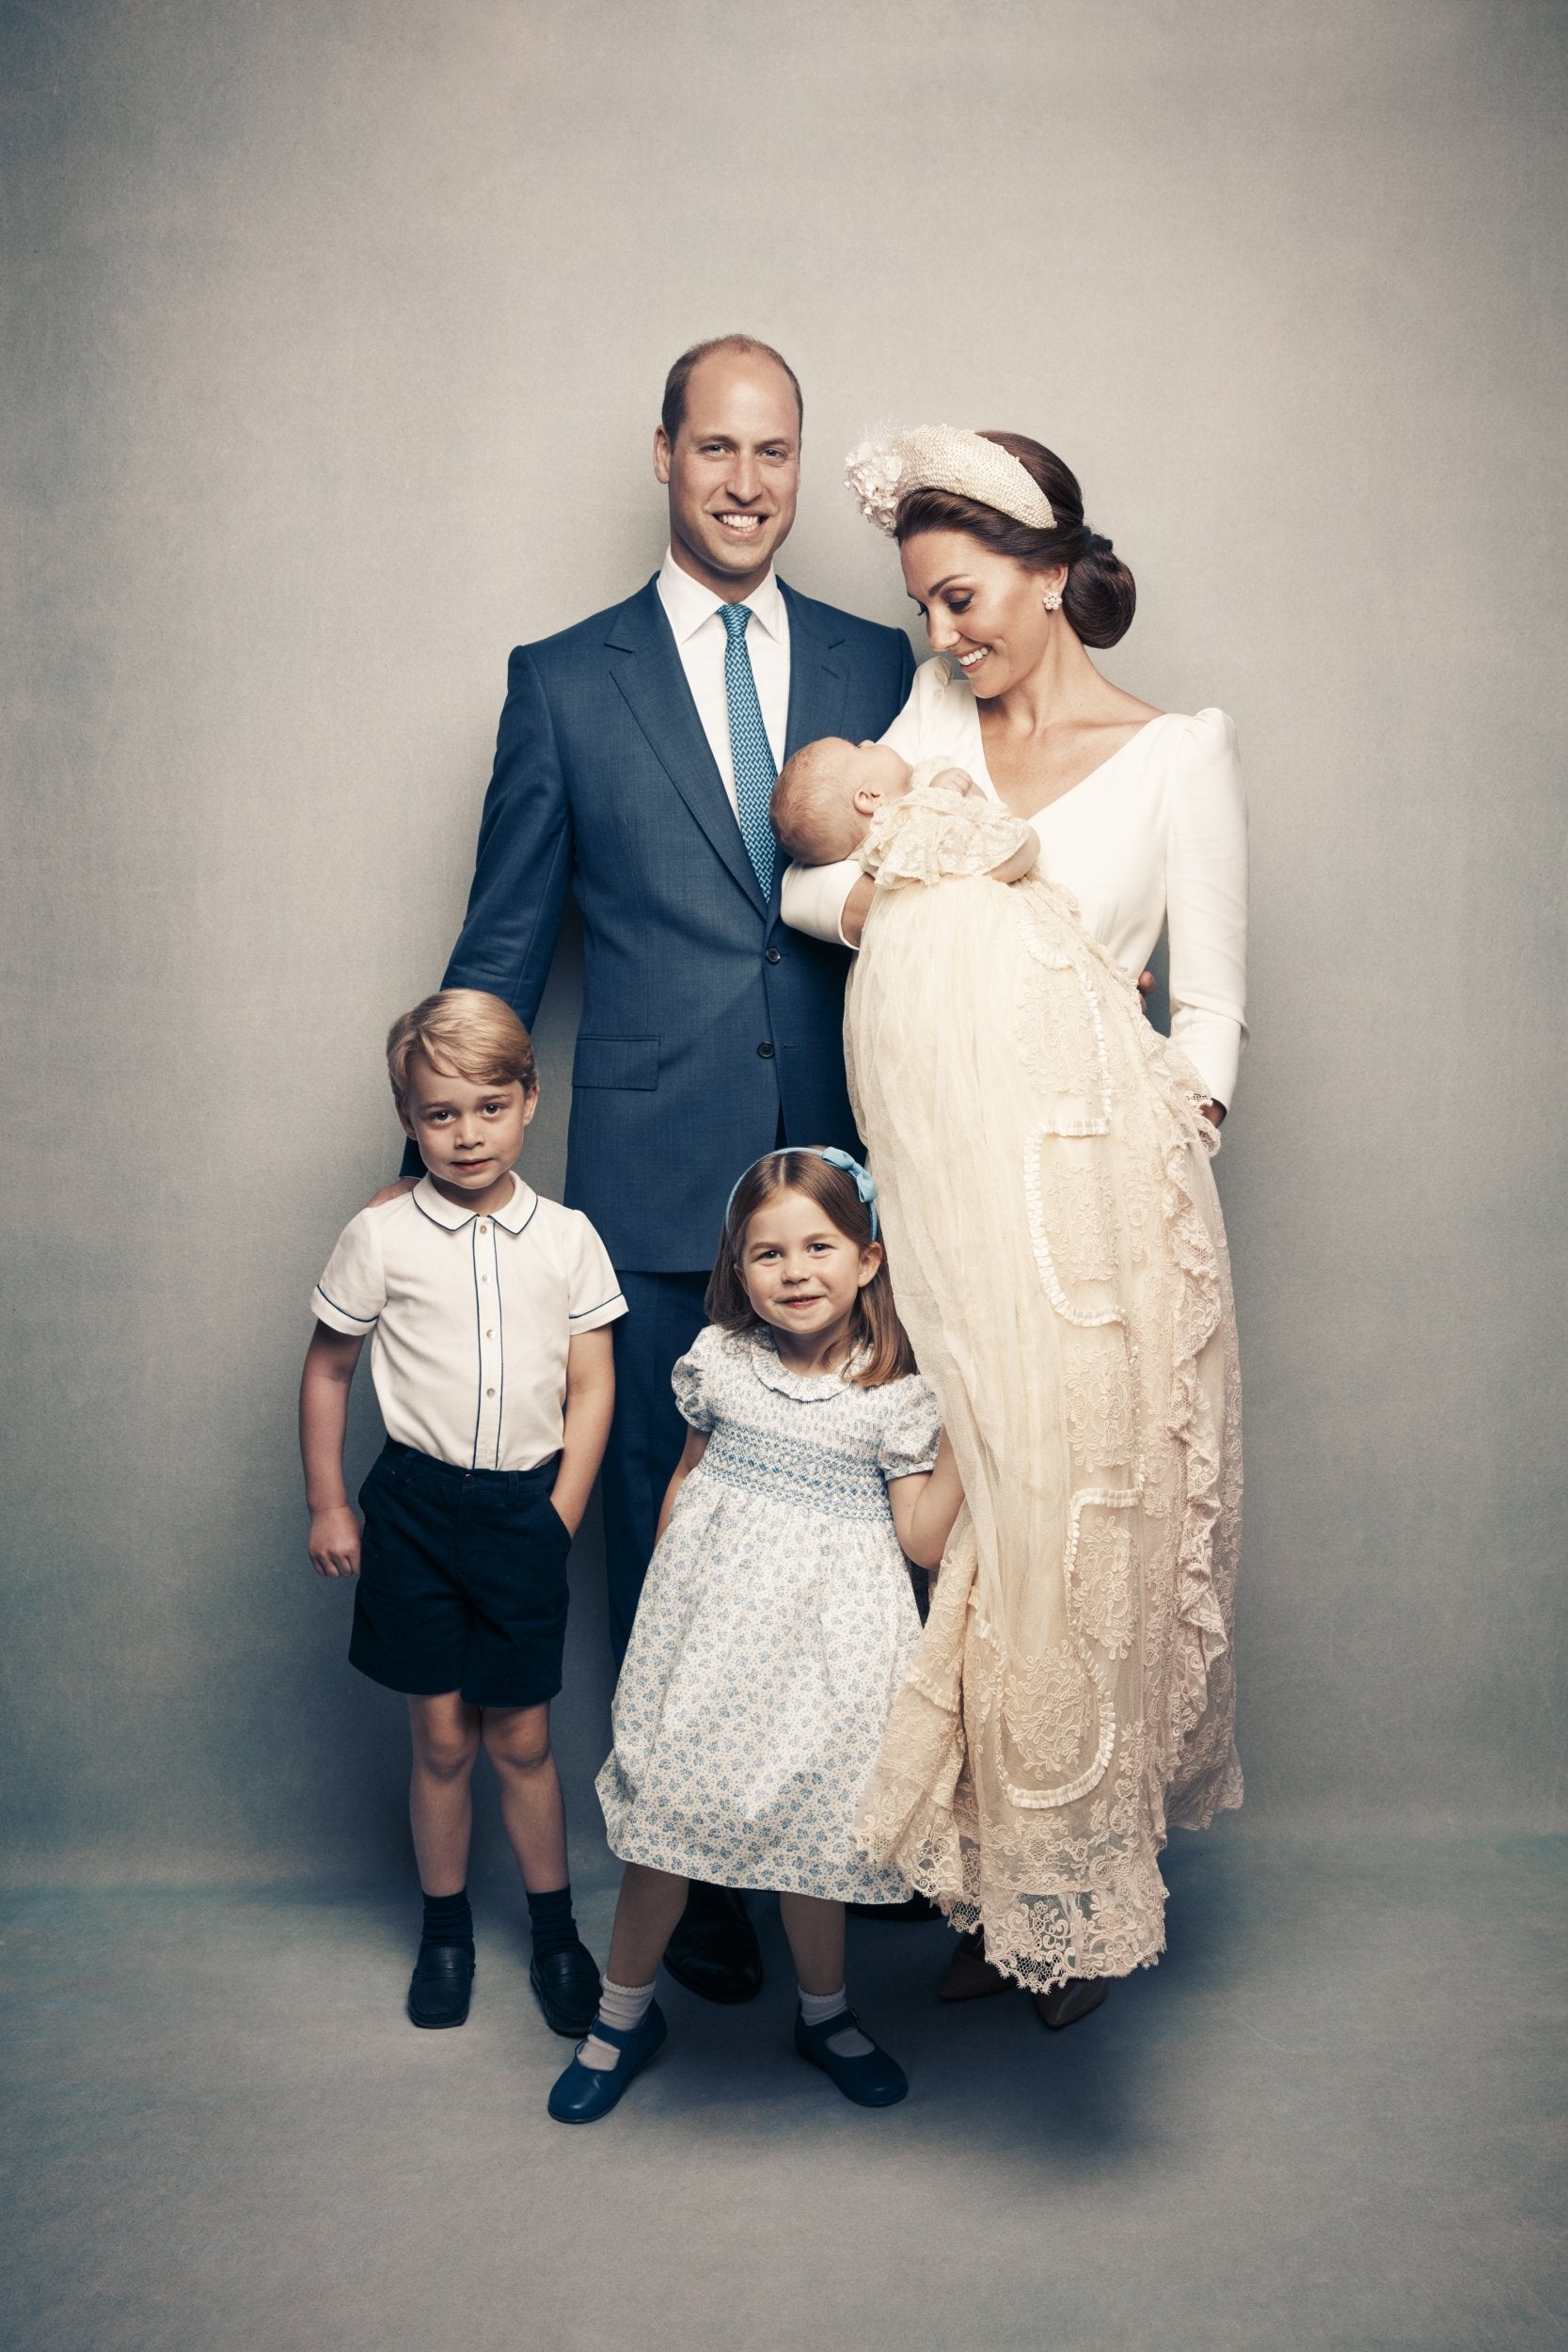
point(819, 674)
point(646, 667)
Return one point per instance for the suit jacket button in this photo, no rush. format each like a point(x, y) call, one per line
point(773, 955)
point(764, 1051)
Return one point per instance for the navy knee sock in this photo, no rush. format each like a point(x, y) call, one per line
point(550, 1917)
point(447, 1919)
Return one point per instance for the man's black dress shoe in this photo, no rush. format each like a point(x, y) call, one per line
point(714, 1950)
point(567, 1987)
point(438, 1990)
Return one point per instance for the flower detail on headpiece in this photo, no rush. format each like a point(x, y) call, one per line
point(944, 457)
point(872, 471)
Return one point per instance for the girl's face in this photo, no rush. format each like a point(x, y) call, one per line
point(801, 1274)
point(983, 610)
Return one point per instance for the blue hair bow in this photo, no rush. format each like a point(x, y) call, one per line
point(862, 1178)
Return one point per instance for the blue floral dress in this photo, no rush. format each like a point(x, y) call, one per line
point(773, 1629)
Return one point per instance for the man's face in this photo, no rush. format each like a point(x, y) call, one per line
point(734, 471)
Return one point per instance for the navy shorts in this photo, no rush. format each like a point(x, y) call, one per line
point(461, 1581)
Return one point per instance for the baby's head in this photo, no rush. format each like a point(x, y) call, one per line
point(827, 794)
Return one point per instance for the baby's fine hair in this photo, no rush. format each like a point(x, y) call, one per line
point(463, 1033)
point(813, 815)
point(874, 1326)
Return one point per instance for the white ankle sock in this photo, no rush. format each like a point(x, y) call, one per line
point(622, 2005)
point(815, 2009)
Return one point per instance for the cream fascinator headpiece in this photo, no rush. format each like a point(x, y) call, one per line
point(943, 457)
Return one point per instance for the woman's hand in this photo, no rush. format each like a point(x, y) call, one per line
point(856, 908)
point(390, 1192)
point(1213, 1113)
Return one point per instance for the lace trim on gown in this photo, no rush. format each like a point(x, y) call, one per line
point(1061, 1269)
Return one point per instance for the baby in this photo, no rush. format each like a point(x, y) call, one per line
point(1051, 1228)
point(829, 796)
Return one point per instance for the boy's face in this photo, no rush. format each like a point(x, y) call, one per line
point(470, 1134)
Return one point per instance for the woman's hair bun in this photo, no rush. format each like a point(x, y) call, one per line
point(1100, 596)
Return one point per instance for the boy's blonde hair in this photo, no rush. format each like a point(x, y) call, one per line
point(462, 1033)
point(814, 816)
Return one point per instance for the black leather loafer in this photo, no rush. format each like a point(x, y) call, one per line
point(438, 1990)
point(714, 1951)
point(567, 1987)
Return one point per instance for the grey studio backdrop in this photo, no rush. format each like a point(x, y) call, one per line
point(333, 351)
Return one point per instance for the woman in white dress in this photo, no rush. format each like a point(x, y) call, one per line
point(1047, 1738)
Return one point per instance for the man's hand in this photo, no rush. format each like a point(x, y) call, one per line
point(390, 1192)
point(335, 1540)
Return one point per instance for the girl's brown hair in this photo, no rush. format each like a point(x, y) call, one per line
point(1100, 597)
point(874, 1325)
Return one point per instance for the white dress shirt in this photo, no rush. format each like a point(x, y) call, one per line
point(1156, 833)
point(472, 1319)
point(693, 612)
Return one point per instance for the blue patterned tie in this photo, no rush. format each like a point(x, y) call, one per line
point(749, 750)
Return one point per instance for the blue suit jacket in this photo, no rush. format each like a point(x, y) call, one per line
point(704, 1017)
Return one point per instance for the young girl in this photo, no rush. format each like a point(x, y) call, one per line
point(777, 1618)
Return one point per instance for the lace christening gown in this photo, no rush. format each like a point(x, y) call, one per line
point(1059, 1262)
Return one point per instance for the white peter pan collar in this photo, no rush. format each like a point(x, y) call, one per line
point(805, 1388)
point(515, 1216)
point(688, 604)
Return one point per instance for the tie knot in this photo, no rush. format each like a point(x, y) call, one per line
point(734, 617)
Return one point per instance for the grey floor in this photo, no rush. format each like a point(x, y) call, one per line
point(1333, 2117)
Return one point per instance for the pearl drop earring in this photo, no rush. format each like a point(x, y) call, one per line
point(1052, 599)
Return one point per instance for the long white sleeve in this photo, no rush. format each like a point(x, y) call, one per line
point(1206, 894)
point(811, 897)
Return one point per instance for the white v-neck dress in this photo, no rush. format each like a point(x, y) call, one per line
point(1156, 833)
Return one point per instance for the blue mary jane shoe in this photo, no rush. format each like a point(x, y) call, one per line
point(872, 2081)
point(583, 2093)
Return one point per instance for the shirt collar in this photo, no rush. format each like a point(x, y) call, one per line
point(513, 1215)
point(688, 604)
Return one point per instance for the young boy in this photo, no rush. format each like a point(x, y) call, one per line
point(488, 1311)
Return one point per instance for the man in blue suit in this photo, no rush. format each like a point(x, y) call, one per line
point(635, 758)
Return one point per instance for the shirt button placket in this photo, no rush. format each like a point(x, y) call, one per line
point(486, 1284)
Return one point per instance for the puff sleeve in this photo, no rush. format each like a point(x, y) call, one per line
point(912, 1430)
point(353, 1289)
point(692, 1380)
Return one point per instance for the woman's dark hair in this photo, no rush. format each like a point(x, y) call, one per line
point(874, 1325)
point(1099, 596)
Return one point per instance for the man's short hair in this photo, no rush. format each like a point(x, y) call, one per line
point(462, 1033)
point(672, 414)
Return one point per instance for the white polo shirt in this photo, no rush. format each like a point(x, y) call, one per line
point(471, 1317)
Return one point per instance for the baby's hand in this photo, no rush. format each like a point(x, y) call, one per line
point(335, 1540)
point(958, 777)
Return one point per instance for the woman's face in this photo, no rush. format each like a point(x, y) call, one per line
point(983, 609)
